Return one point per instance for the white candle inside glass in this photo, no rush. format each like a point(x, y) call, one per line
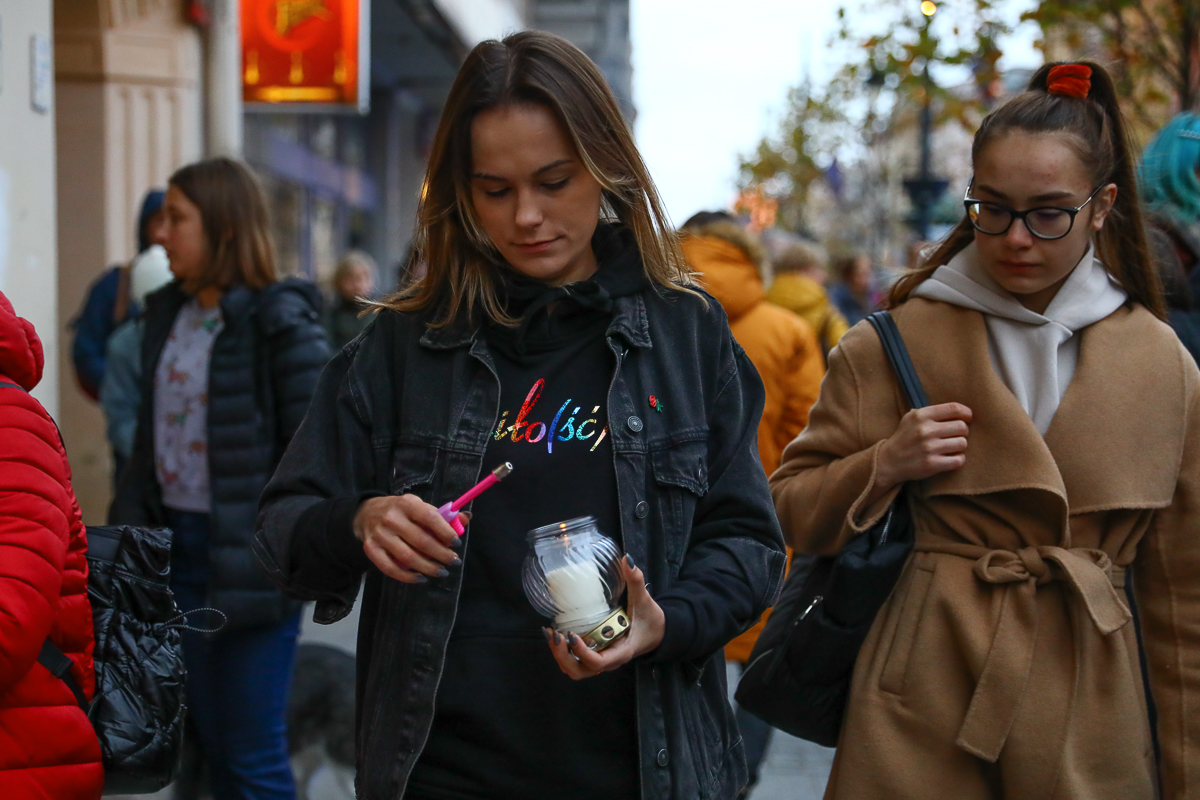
point(578, 592)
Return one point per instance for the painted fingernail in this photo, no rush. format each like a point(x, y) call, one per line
point(546, 633)
point(456, 542)
point(572, 639)
point(467, 515)
point(443, 573)
point(557, 638)
point(422, 579)
point(456, 561)
point(629, 559)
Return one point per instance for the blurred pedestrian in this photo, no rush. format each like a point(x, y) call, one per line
point(108, 303)
point(1005, 662)
point(120, 389)
point(553, 282)
point(784, 349)
point(782, 346)
point(852, 292)
point(231, 355)
point(1171, 192)
point(799, 286)
point(353, 286)
point(48, 748)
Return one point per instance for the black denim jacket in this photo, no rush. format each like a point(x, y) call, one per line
point(408, 409)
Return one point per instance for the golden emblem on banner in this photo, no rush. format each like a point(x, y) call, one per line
point(305, 52)
point(291, 13)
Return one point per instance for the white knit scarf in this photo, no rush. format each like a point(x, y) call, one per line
point(1034, 354)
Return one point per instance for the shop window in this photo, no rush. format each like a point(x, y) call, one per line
point(287, 219)
point(325, 242)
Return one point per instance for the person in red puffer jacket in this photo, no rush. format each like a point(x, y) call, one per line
point(48, 750)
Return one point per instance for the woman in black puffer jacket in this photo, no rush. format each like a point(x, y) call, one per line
point(230, 359)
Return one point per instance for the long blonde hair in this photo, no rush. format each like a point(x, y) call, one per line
point(462, 264)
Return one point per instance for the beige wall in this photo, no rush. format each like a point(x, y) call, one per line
point(27, 227)
point(128, 82)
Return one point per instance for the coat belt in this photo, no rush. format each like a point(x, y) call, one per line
point(1093, 578)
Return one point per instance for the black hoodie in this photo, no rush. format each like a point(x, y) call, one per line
point(508, 722)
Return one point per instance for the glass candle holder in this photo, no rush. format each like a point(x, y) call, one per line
point(571, 575)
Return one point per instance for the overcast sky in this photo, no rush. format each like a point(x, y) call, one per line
point(711, 77)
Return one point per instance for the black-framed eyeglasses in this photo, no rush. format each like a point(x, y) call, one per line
point(1044, 222)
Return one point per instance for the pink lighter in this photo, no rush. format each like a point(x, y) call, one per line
point(450, 511)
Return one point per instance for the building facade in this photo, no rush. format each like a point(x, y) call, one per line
point(599, 28)
point(129, 111)
point(28, 197)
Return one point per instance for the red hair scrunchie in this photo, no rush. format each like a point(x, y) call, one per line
point(1073, 80)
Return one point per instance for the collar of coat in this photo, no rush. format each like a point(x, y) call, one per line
point(1116, 440)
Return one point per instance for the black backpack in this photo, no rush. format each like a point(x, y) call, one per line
point(138, 707)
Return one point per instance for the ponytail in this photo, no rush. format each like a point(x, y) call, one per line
point(1094, 127)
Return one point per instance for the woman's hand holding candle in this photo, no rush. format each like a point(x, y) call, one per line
point(406, 538)
point(647, 624)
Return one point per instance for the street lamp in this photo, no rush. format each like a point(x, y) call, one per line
point(925, 189)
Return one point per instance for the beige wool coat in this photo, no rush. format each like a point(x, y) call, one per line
point(1005, 664)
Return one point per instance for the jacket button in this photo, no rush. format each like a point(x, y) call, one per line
point(662, 758)
point(641, 509)
point(634, 423)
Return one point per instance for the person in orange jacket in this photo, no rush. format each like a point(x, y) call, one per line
point(799, 286)
point(783, 348)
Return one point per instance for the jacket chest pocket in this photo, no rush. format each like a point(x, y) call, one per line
point(681, 477)
point(414, 468)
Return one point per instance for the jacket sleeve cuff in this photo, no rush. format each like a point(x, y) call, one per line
point(862, 516)
point(679, 631)
point(329, 525)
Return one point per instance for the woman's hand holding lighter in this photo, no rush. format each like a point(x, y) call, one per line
point(406, 538)
point(410, 540)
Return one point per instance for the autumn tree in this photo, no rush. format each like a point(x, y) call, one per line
point(873, 97)
point(786, 165)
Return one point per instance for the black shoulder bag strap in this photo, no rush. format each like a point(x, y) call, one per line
point(51, 657)
point(897, 354)
point(59, 665)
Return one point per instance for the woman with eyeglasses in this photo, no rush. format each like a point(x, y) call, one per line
point(1057, 465)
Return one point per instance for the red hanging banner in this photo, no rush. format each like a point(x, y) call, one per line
point(307, 53)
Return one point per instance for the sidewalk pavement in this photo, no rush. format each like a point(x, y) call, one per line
point(792, 770)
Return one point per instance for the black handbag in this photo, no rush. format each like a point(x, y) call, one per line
point(798, 678)
point(138, 708)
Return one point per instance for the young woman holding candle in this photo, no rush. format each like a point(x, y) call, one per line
point(1005, 664)
point(557, 329)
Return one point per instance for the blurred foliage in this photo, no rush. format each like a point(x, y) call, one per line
point(1153, 47)
point(785, 166)
point(876, 94)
